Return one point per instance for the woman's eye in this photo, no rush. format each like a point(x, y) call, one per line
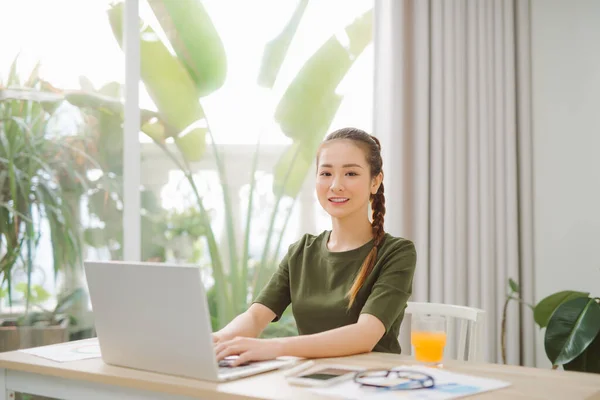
point(325, 174)
point(352, 174)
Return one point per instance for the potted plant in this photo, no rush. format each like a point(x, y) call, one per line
point(572, 323)
point(40, 326)
point(41, 182)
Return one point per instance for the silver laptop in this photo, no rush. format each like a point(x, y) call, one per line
point(155, 317)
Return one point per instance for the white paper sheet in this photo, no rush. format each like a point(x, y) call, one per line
point(449, 385)
point(65, 352)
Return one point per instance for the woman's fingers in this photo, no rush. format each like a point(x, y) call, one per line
point(243, 358)
point(222, 344)
point(231, 347)
point(228, 351)
point(246, 349)
point(219, 347)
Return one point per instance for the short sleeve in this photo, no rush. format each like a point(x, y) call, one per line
point(276, 294)
point(393, 287)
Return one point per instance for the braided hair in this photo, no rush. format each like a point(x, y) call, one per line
point(372, 148)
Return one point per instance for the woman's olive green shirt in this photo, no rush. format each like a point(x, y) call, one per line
point(316, 282)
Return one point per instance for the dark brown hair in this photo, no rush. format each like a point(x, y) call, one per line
point(372, 149)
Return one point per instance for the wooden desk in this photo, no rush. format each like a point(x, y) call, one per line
point(93, 380)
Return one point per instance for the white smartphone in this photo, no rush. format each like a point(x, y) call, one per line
point(324, 375)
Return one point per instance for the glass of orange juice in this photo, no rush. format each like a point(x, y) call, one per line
point(428, 338)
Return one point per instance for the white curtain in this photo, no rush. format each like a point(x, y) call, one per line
point(452, 108)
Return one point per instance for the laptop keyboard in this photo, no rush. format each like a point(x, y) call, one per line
point(229, 370)
point(227, 364)
point(226, 368)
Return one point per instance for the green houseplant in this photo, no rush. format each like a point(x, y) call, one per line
point(572, 323)
point(40, 182)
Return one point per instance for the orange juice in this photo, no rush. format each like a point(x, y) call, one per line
point(429, 346)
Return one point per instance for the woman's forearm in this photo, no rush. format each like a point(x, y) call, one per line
point(244, 325)
point(343, 341)
point(250, 323)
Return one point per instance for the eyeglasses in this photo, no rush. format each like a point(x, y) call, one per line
point(394, 380)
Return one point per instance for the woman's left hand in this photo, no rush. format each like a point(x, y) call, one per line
point(249, 349)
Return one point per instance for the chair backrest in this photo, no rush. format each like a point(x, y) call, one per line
point(464, 326)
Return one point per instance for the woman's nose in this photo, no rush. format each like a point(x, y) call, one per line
point(336, 186)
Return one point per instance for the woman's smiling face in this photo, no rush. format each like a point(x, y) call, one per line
point(344, 184)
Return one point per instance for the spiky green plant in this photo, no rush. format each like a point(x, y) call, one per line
point(40, 180)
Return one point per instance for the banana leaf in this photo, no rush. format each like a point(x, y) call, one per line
point(195, 40)
point(310, 102)
point(546, 307)
point(276, 49)
point(573, 326)
point(170, 86)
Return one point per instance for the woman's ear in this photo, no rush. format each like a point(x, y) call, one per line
point(376, 182)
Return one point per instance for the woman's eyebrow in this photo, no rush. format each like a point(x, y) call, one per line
point(343, 166)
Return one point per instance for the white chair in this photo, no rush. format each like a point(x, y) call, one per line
point(464, 326)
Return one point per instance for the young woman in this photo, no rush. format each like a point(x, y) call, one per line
point(349, 286)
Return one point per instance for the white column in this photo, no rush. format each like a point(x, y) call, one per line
point(131, 129)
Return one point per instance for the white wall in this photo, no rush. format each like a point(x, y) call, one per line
point(566, 124)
